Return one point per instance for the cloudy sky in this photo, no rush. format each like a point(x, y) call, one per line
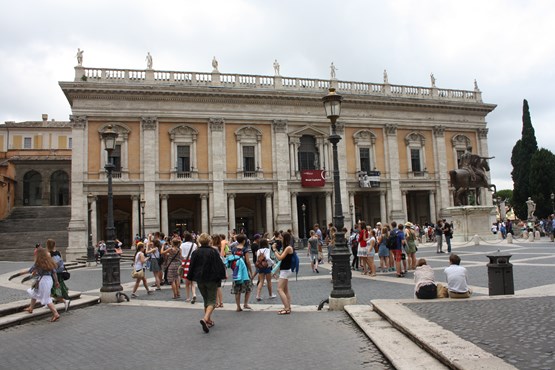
point(507, 45)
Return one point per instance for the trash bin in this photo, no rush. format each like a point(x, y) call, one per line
point(500, 274)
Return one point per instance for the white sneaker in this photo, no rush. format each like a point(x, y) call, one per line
point(273, 296)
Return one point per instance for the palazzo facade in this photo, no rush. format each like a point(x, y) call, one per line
point(211, 152)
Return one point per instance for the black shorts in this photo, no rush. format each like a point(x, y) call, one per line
point(427, 292)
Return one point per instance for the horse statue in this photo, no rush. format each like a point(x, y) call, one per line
point(462, 180)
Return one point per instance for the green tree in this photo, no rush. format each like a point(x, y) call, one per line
point(522, 153)
point(506, 195)
point(542, 181)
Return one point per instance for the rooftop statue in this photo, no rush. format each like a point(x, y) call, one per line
point(214, 65)
point(276, 67)
point(148, 61)
point(79, 57)
point(333, 69)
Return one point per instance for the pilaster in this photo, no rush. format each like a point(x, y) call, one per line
point(218, 201)
point(150, 147)
point(282, 201)
point(441, 155)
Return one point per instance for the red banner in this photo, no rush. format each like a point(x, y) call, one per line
point(313, 178)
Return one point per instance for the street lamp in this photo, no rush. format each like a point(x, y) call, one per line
point(110, 261)
point(90, 249)
point(303, 208)
point(552, 203)
point(342, 293)
point(143, 202)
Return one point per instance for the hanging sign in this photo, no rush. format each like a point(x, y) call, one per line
point(313, 178)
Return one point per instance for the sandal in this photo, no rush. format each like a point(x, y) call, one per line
point(54, 318)
point(28, 309)
point(210, 323)
point(284, 312)
point(193, 300)
point(204, 325)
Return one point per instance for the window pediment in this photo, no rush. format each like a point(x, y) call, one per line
point(310, 131)
point(248, 132)
point(415, 138)
point(460, 140)
point(183, 132)
point(364, 137)
point(121, 128)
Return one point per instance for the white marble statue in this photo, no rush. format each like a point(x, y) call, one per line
point(214, 65)
point(276, 67)
point(531, 208)
point(476, 85)
point(432, 77)
point(148, 61)
point(333, 69)
point(385, 79)
point(79, 57)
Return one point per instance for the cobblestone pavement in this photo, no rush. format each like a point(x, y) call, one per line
point(520, 331)
point(313, 338)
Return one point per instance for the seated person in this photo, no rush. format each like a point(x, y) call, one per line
point(425, 285)
point(457, 282)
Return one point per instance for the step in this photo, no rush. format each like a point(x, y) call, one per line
point(390, 341)
point(447, 347)
point(21, 317)
point(18, 306)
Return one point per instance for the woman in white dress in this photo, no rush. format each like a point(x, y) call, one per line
point(44, 269)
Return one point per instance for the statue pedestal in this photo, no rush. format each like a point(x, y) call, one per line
point(469, 221)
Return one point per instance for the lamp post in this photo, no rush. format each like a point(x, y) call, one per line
point(143, 202)
point(342, 293)
point(303, 208)
point(552, 203)
point(90, 249)
point(110, 261)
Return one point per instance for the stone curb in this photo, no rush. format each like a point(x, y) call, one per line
point(389, 340)
point(19, 318)
point(451, 350)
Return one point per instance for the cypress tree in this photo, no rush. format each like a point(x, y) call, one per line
point(521, 156)
point(542, 181)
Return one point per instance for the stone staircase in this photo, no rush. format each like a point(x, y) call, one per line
point(26, 226)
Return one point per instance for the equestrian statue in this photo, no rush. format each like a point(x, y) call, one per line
point(471, 175)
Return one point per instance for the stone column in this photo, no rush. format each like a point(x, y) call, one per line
point(149, 147)
point(292, 160)
point(164, 227)
point(94, 220)
point(404, 195)
point(329, 208)
point(134, 215)
point(396, 210)
point(441, 166)
point(383, 210)
point(486, 195)
point(281, 196)
point(77, 228)
point(269, 217)
point(204, 213)
point(295, 215)
point(433, 213)
point(218, 200)
point(352, 210)
point(231, 212)
point(342, 160)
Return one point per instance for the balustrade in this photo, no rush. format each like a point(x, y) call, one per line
point(269, 83)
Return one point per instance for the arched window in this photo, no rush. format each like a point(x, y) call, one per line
point(459, 142)
point(59, 189)
point(184, 152)
point(416, 155)
point(32, 189)
point(365, 141)
point(119, 155)
point(249, 152)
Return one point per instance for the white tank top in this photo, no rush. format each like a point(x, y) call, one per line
point(138, 264)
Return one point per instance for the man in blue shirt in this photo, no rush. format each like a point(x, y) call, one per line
point(398, 249)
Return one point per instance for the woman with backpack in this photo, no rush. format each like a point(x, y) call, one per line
point(410, 236)
point(286, 258)
point(242, 272)
point(264, 267)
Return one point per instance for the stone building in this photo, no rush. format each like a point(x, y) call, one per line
point(212, 151)
point(35, 164)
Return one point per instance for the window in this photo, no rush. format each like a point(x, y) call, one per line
point(248, 159)
point(183, 149)
point(364, 154)
point(119, 156)
point(308, 154)
point(460, 142)
point(28, 143)
point(416, 155)
point(70, 143)
point(115, 158)
point(249, 152)
point(183, 158)
point(415, 160)
point(365, 142)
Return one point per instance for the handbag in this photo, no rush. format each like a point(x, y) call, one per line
point(185, 265)
point(36, 281)
point(65, 274)
point(138, 274)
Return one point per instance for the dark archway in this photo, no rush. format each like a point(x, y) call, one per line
point(32, 189)
point(59, 188)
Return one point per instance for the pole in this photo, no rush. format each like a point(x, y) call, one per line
point(111, 260)
point(90, 248)
point(341, 269)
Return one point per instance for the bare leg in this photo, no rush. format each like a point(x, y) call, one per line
point(55, 314)
point(238, 301)
point(137, 282)
point(269, 281)
point(283, 291)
